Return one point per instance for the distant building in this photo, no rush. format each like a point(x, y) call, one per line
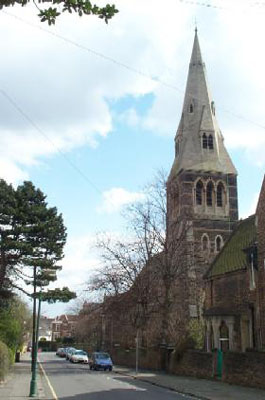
point(45, 328)
point(64, 326)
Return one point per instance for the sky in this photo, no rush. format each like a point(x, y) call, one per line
point(89, 111)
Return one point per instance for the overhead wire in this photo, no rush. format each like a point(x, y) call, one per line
point(43, 134)
point(128, 67)
point(114, 61)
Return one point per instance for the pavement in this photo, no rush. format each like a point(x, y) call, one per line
point(199, 388)
point(17, 384)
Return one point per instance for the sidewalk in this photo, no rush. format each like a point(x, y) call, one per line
point(200, 388)
point(17, 384)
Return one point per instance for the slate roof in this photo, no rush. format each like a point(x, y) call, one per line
point(232, 256)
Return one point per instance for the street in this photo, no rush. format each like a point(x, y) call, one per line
point(76, 382)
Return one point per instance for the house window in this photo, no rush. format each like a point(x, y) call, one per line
point(191, 108)
point(220, 195)
point(199, 193)
point(204, 141)
point(209, 194)
point(210, 142)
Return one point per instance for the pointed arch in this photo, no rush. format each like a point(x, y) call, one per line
point(220, 195)
point(210, 142)
point(204, 141)
point(205, 243)
point(218, 243)
point(209, 193)
point(199, 193)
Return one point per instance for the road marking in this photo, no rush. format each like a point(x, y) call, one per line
point(54, 395)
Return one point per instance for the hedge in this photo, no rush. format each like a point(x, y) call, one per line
point(5, 360)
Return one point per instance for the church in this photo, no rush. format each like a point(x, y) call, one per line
point(213, 279)
point(225, 278)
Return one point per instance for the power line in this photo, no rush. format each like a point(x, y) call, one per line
point(129, 68)
point(231, 6)
point(43, 134)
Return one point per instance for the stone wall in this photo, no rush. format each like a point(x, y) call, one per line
point(192, 363)
point(148, 358)
point(244, 368)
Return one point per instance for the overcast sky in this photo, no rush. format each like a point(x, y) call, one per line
point(89, 111)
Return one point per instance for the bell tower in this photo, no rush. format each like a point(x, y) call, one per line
point(202, 184)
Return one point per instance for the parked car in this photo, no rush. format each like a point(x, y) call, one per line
point(58, 351)
point(61, 352)
point(101, 360)
point(70, 351)
point(79, 356)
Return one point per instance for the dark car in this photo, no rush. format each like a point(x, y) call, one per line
point(101, 360)
point(61, 352)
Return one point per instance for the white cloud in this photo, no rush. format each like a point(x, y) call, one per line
point(64, 89)
point(115, 198)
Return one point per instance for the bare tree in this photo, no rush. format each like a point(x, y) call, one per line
point(147, 267)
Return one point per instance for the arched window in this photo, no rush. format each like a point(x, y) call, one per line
point(191, 108)
point(209, 194)
point(199, 193)
point(218, 243)
point(210, 142)
point(220, 195)
point(204, 141)
point(205, 242)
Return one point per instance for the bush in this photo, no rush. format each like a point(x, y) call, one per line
point(5, 360)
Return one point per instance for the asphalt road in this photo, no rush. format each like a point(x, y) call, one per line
point(69, 381)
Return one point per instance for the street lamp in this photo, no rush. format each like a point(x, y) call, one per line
point(35, 338)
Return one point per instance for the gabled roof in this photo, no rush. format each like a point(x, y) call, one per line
point(232, 256)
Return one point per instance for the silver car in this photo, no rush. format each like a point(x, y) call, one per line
point(79, 356)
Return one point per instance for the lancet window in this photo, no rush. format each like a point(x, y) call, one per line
point(199, 193)
point(220, 195)
point(209, 194)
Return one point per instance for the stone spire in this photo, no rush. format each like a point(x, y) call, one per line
point(199, 142)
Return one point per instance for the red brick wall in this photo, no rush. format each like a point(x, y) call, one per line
point(261, 264)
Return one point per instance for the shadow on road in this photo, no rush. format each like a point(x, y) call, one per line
point(112, 394)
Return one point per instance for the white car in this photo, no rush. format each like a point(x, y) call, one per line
point(79, 356)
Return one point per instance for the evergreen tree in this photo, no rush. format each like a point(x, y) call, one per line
point(32, 237)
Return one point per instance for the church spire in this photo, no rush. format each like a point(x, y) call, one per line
point(199, 142)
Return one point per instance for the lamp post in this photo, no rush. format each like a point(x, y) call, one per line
point(35, 338)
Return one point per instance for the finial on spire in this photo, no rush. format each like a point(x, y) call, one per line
point(195, 23)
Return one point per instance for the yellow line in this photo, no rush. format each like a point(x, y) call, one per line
point(49, 383)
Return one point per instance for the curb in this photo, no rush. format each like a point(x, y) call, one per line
point(142, 379)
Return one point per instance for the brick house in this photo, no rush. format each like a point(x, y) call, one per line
point(235, 287)
point(64, 326)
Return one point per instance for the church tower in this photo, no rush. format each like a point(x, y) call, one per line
point(202, 185)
